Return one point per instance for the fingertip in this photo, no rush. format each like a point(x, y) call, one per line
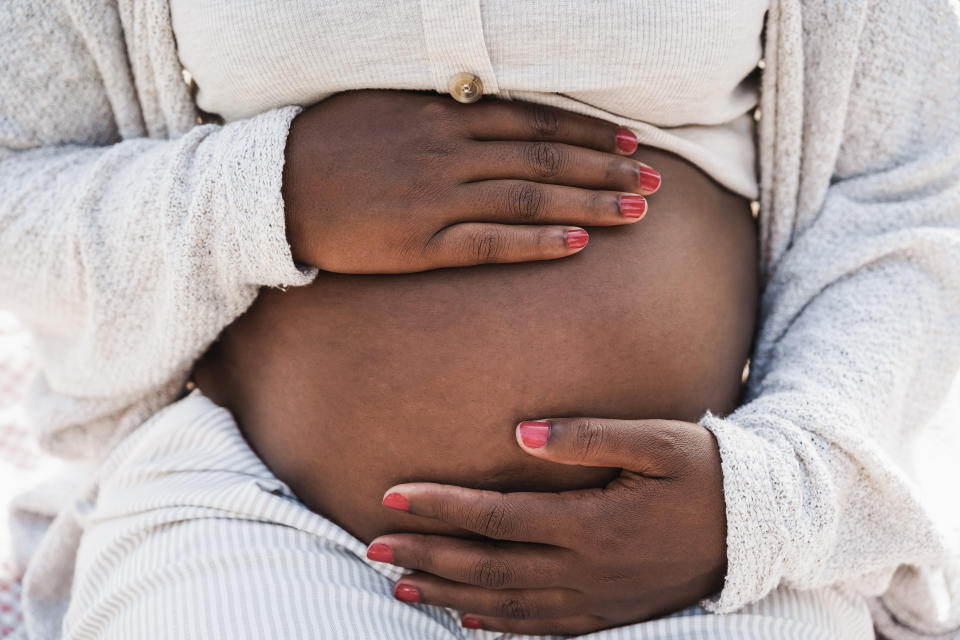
point(470, 622)
point(407, 593)
point(380, 552)
point(396, 500)
point(649, 179)
point(533, 434)
point(575, 238)
point(632, 206)
point(626, 141)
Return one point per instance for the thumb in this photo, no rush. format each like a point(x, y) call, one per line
point(655, 448)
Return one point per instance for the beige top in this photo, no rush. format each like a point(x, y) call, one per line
point(677, 72)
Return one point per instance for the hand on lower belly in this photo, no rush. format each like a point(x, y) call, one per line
point(650, 542)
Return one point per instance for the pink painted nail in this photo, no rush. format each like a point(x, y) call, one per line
point(469, 622)
point(534, 433)
point(649, 179)
point(396, 501)
point(407, 593)
point(380, 552)
point(626, 141)
point(633, 206)
point(576, 238)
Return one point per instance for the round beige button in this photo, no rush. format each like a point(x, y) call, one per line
point(465, 87)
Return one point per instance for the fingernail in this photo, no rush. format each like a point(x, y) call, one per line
point(626, 141)
point(576, 238)
point(649, 179)
point(396, 501)
point(406, 592)
point(534, 433)
point(469, 622)
point(380, 552)
point(633, 206)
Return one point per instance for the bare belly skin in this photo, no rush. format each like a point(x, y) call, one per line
point(356, 383)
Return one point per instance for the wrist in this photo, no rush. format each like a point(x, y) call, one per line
point(757, 542)
point(254, 229)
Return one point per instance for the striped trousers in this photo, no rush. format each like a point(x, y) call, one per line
point(191, 536)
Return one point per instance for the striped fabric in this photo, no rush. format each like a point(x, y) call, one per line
point(191, 536)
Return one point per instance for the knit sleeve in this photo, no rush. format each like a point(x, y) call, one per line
point(124, 255)
point(858, 344)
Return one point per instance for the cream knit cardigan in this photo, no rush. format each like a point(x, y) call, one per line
point(130, 236)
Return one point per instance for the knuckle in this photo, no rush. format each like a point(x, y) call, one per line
point(494, 521)
point(515, 608)
point(621, 171)
point(437, 112)
point(589, 438)
point(546, 160)
point(487, 245)
point(544, 121)
point(452, 511)
point(559, 601)
point(421, 190)
point(527, 201)
point(669, 447)
point(434, 152)
point(492, 574)
point(420, 559)
point(559, 570)
point(412, 250)
point(600, 203)
point(612, 577)
point(542, 240)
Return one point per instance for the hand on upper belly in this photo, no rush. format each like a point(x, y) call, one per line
point(650, 542)
point(397, 182)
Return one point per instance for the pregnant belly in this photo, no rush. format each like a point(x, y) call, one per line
point(356, 383)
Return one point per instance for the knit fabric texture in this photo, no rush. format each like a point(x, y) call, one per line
point(130, 236)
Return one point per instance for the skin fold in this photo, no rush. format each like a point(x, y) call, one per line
point(358, 383)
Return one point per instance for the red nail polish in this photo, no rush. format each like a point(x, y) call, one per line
point(649, 179)
point(469, 622)
point(407, 593)
point(576, 238)
point(626, 141)
point(633, 206)
point(534, 433)
point(380, 552)
point(396, 501)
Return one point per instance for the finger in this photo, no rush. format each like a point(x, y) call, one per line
point(515, 604)
point(557, 163)
point(500, 120)
point(566, 626)
point(482, 564)
point(547, 518)
point(470, 243)
point(654, 448)
point(523, 202)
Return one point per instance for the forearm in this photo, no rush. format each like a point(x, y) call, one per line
point(104, 249)
point(817, 465)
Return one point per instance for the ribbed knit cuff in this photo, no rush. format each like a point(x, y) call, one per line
point(254, 180)
point(755, 537)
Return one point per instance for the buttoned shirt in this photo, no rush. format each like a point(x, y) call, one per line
point(680, 74)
